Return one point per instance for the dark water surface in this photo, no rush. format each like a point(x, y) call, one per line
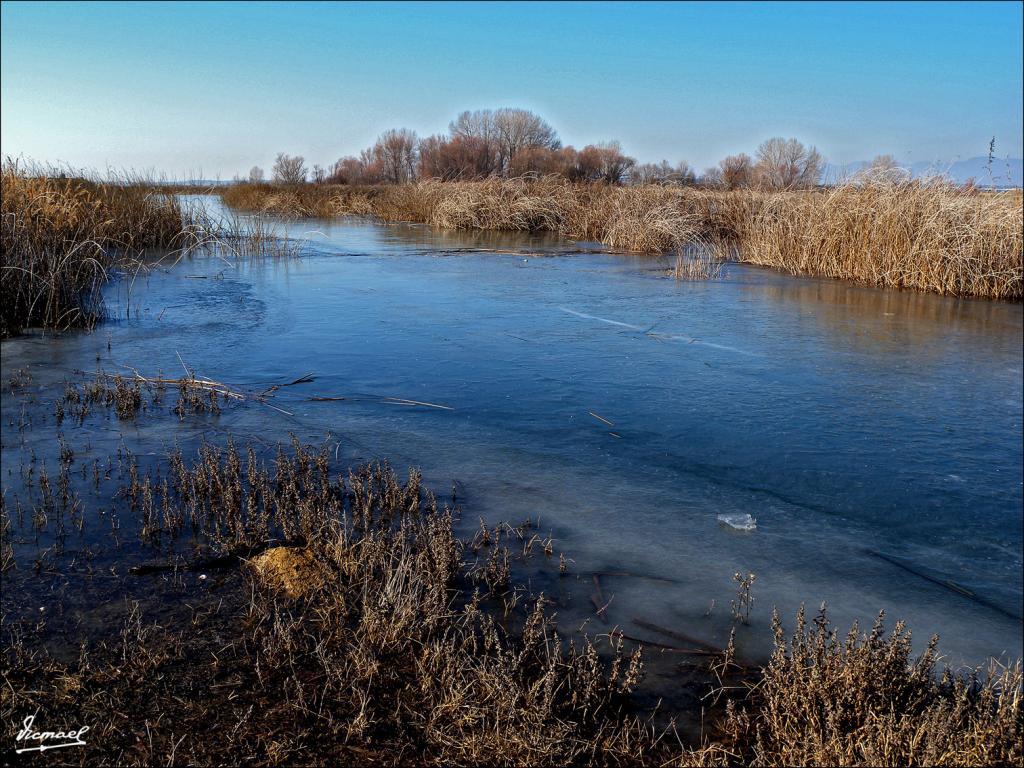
point(875, 436)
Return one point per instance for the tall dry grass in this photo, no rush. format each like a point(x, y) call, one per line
point(287, 201)
point(64, 235)
point(922, 235)
point(360, 627)
point(865, 700)
point(60, 236)
point(927, 235)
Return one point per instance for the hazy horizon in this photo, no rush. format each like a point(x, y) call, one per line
point(196, 90)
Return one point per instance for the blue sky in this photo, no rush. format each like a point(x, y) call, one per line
point(187, 88)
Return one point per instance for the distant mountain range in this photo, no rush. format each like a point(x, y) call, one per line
point(1005, 172)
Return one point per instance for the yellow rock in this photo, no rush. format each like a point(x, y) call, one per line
point(291, 570)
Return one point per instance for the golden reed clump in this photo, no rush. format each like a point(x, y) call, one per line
point(61, 235)
point(64, 234)
point(924, 235)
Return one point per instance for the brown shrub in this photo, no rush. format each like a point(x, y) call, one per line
point(864, 700)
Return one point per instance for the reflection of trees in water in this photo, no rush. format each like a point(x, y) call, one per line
point(870, 316)
point(425, 238)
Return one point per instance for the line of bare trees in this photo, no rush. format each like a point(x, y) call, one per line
point(487, 143)
point(779, 164)
point(507, 143)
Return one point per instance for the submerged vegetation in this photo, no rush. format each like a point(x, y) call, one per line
point(351, 622)
point(924, 235)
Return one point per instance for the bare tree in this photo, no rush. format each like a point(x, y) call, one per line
point(503, 134)
point(736, 171)
point(883, 163)
point(478, 124)
point(255, 174)
point(396, 154)
point(319, 174)
point(615, 166)
point(787, 164)
point(884, 168)
point(602, 162)
point(478, 129)
point(542, 161)
point(650, 173)
point(681, 174)
point(348, 170)
point(460, 157)
point(519, 129)
point(432, 157)
point(712, 177)
point(289, 170)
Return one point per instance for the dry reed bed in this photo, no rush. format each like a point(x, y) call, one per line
point(59, 238)
point(926, 236)
point(386, 652)
point(922, 235)
point(62, 237)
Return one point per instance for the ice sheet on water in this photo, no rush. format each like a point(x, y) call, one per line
point(741, 521)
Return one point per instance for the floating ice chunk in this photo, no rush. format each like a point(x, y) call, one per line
point(741, 521)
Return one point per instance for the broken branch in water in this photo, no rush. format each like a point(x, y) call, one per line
point(301, 380)
point(597, 598)
point(403, 401)
point(661, 646)
point(700, 647)
point(631, 575)
point(952, 586)
point(209, 385)
point(192, 381)
point(379, 399)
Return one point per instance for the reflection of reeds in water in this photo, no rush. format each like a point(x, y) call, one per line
point(696, 262)
point(919, 320)
point(928, 235)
